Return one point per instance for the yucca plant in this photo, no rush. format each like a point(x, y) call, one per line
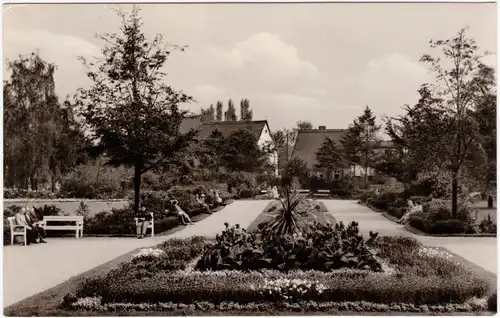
point(288, 220)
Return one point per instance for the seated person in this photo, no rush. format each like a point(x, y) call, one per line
point(410, 210)
point(201, 202)
point(143, 219)
point(185, 219)
point(21, 221)
point(217, 198)
point(33, 221)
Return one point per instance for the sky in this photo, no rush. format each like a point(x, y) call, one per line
point(318, 62)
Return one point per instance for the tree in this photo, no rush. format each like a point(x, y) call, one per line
point(219, 107)
point(360, 141)
point(283, 141)
point(242, 152)
point(457, 91)
point(131, 114)
point(207, 114)
point(230, 114)
point(246, 112)
point(212, 149)
point(329, 156)
point(41, 138)
point(304, 125)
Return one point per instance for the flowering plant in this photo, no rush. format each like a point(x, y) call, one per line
point(433, 253)
point(290, 289)
point(148, 253)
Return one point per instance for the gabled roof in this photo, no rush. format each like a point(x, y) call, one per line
point(309, 141)
point(229, 127)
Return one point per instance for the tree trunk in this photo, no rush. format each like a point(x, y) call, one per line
point(366, 177)
point(137, 186)
point(454, 195)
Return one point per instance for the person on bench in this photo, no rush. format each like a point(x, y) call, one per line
point(143, 219)
point(21, 220)
point(183, 216)
point(32, 220)
point(201, 202)
point(217, 198)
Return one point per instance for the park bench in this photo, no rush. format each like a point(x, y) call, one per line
point(304, 191)
point(151, 224)
point(17, 230)
point(64, 219)
point(322, 193)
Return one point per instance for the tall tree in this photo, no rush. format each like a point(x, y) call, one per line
point(207, 114)
point(219, 111)
point(304, 125)
point(131, 114)
point(454, 67)
point(242, 152)
point(230, 114)
point(246, 112)
point(40, 140)
point(329, 156)
point(360, 141)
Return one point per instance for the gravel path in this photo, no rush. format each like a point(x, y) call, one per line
point(480, 250)
point(29, 270)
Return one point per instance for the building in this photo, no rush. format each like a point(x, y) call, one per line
point(259, 128)
point(308, 143)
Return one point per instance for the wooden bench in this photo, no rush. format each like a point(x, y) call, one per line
point(151, 224)
point(322, 193)
point(77, 219)
point(17, 230)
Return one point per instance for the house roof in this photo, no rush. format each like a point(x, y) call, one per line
point(192, 122)
point(229, 127)
point(309, 141)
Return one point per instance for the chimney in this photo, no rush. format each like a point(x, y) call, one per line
point(322, 127)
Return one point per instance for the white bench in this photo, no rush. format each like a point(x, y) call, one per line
point(150, 226)
point(78, 227)
point(322, 193)
point(17, 230)
point(304, 191)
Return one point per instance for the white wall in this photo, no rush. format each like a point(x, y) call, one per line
point(265, 139)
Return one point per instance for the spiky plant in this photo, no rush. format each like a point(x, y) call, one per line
point(288, 220)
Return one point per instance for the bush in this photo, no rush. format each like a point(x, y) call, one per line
point(487, 225)
point(94, 181)
point(319, 247)
point(492, 302)
point(383, 200)
point(420, 222)
point(396, 211)
point(451, 226)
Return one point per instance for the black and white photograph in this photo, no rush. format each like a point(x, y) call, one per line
point(249, 159)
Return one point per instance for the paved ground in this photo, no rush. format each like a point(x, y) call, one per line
point(29, 270)
point(479, 250)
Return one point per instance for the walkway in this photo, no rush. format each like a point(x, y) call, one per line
point(35, 268)
point(479, 250)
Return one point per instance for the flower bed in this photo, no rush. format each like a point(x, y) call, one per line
point(413, 278)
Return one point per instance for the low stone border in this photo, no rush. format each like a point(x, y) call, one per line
point(413, 230)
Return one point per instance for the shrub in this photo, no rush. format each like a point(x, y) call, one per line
point(319, 247)
point(492, 302)
point(487, 225)
point(420, 222)
point(450, 226)
point(383, 200)
point(94, 181)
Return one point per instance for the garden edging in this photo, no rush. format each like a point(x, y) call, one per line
point(413, 230)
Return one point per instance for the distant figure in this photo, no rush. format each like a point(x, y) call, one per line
point(412, 208)
point(269, 192)
point(275, 193)
point(184, 217)
point(217, 198)
point(143, 219)
point(201, 202)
